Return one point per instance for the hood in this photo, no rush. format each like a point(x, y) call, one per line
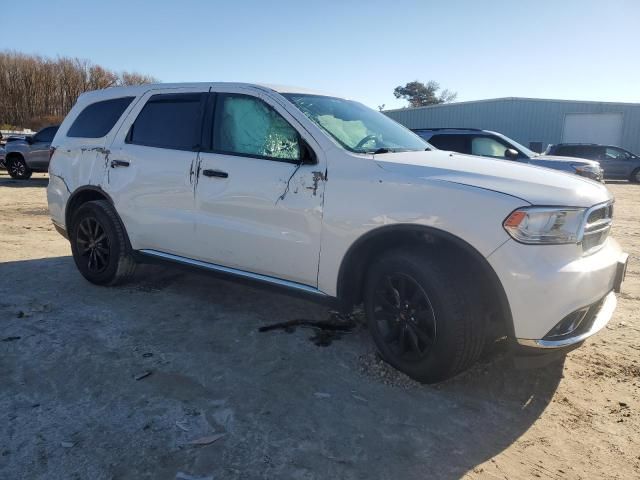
point(575, 160)
point(535, 185)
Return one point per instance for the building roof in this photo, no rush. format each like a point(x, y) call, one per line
point(513, 99)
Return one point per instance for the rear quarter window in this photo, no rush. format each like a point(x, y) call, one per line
point(97, 119)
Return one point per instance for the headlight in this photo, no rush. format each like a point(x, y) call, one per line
point(544, 225)
point(592, 169)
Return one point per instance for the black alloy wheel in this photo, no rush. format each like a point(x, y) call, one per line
point(404, 316)
point(93, 244)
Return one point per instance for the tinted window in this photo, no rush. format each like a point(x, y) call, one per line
point(247, 126)
point(566, 151)
point(169, 121)
point(586, 151)
point(45, 135)
point(454, 143)
point(98, 119)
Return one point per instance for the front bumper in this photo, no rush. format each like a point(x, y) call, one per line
point(547, 284)
point(600, 317)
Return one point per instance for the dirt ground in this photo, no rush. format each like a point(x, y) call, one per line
point(169, 378)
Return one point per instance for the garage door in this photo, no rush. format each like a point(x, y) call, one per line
point(605, 128)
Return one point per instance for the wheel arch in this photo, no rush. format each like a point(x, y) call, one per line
point(89, 193)
point(364, 250)
point(11, 155)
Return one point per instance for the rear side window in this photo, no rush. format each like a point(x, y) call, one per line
point(45, 135)
point(169, 121)
point(98, 119)
point(453, 143)
point(566, 151)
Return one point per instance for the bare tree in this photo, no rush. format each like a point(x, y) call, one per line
point(36, 91)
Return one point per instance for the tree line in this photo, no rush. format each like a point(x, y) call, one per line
point(37, 91)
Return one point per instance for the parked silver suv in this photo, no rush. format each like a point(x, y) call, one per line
point(23, 157)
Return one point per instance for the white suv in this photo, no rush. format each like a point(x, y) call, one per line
point(324, 196)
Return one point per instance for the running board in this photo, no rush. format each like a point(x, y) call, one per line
point(233, 272)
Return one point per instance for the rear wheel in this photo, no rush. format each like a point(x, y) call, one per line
point(635, 176)
point(99, 244)
point(422, 316)
point(17, 168)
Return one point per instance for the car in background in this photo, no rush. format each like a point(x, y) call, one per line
point(30, 154)
point(486, 143)
point(616, 162)
point(2, 155)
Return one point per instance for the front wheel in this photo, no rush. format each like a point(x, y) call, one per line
point(421, 315)
point(635, 176)
point(18, 168)
point(99, 244)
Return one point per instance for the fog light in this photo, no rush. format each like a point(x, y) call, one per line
point(568, 324)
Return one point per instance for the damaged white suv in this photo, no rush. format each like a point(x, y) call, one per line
point(323, 196)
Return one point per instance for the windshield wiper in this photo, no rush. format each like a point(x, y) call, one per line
point(381, 150)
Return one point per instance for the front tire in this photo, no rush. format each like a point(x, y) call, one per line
point(99, 244)
point(18, 168)
point(422, 314)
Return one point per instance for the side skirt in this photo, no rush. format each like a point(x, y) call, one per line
point(266, 280)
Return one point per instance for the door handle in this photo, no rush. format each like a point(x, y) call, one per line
point(215, 173)
point(119, 163)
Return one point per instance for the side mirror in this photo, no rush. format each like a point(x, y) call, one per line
point(511, 154)
point(29, 140)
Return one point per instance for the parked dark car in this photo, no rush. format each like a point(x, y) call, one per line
point(486, 143)
point(28, 155)
point(616, 162)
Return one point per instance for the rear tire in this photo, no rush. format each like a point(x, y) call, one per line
point(18, 168)
point(635, 176)
point(432, 301)
point(99, 244)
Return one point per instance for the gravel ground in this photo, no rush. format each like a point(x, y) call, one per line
point(169, 378)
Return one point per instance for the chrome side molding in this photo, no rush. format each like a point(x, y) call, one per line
point(233, 271)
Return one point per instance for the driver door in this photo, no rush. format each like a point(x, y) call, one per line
point(616, 162)
point(259, 191)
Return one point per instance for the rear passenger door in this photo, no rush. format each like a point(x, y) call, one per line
point(150, 169)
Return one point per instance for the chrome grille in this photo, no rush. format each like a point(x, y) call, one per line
point(597, 226)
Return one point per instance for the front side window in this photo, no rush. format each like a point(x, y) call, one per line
point(355, 127)
point(487, 147)
point(169, 121)
point(247, 126)
point(97, 119)
point(612, 153)
point(45, 135)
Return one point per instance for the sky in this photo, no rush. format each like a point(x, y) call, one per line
point(582, 50)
